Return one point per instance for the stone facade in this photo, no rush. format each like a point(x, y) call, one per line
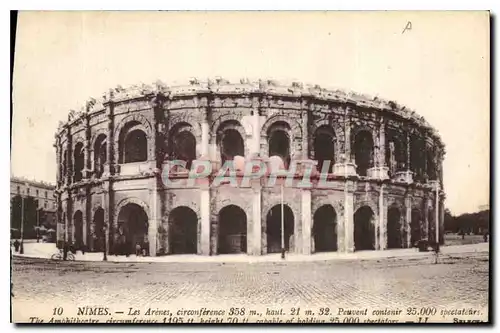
point(42, 192)
point(382, 185)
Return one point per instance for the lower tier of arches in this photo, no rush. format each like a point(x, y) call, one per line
point(253, 225)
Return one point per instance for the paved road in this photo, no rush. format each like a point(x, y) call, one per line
point(456, 281)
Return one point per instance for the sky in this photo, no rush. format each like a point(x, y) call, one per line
point(435, 63)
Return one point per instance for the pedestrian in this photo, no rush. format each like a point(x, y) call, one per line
point(16, 245)
point(485, 236)
point(65, 250)
point(138, 249)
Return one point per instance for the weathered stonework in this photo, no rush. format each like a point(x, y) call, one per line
point(381, 190)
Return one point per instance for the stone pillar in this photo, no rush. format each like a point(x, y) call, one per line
point(87, 166)
point(60, 223)
point(69, 217)
point(108, 206)
point(205, 131)
point(204, 220)
point(57, 146)
point(67, 220)
point(381, 150)
point(87, 217)
point(408, 200)
point(306, 221)
point(305, 130)
point(392, 159)
point(382, 214)
point(154, 217)
point(256, 227)
point(348, 218)
point(427, 206)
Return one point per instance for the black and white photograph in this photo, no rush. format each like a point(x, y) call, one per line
point(250, 167)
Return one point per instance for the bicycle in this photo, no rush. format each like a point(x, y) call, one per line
point(60, 255)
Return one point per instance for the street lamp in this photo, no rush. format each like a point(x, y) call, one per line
point(21, 248)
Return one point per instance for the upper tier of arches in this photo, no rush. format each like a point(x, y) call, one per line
point(332, 134)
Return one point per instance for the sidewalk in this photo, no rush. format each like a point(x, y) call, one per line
point(45, 250)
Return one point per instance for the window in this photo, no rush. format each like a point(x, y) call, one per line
point(28, 191)
point(36, 192)
point(45, 204)
point(18, 190)
point(45, 194)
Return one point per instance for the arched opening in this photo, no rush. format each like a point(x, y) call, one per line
point(232, 230)
point(100, 155)
point(325, 229)
point(64, 166)
point(416, 222)
point(183, 146)
point(231, 145)
point(78, 223)
point(393, 228)
point(324, 147)
point(279, 141)
point(363, 152)
point(79, 162)
point(135, 147)
point(183, 227)
point(132, 229)
point(273, 229)
point(99, 231)
point(364, 229)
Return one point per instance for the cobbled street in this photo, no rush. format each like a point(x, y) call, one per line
point(456, 281)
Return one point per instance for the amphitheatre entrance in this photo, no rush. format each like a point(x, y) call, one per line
point(325, 229)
